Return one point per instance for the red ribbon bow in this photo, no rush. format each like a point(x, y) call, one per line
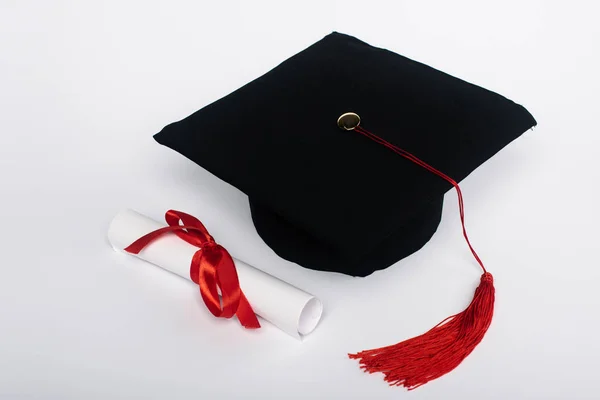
point(212, 267)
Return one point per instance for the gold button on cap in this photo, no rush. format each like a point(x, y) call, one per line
point(348, 121)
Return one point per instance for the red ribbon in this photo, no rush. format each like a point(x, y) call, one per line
point(212, 267)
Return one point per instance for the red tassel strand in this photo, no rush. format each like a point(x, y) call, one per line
point(414, 362)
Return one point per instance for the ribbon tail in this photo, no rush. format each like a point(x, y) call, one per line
point(246, 314)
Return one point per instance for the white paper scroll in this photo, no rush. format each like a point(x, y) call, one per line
point(285, 306)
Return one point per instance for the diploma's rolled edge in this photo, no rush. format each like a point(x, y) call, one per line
point(310, 316)
point(109, 233)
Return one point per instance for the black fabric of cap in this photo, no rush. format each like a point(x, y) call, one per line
point(331, 199)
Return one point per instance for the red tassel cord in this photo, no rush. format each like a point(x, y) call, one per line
point(416, 361)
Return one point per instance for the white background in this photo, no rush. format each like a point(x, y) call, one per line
point(85, 85)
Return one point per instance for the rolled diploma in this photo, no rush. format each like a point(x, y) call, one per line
point(285, 306)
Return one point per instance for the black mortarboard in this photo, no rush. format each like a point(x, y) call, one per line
point(329, 198)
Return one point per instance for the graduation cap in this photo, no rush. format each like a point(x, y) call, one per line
point(345, 151)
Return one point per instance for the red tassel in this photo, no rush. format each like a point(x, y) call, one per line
point(416, 361)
